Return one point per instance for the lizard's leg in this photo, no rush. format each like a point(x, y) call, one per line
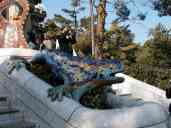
point(56, 93)
point(78, 89)
point(73, 91)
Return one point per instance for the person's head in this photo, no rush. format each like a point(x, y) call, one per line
point(170, 82)
point(45, 36)
point(1, 17)
point(2, 22)
point(66, 29)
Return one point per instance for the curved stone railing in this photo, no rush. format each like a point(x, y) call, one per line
point(143, 90)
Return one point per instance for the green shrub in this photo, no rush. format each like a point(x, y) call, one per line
point(156, 76)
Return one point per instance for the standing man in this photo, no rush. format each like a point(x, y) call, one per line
point(48, 43)
point(66, 39)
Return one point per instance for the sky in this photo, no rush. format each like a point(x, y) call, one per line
point(140, 29)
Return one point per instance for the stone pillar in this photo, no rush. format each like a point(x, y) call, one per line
point(12, 13)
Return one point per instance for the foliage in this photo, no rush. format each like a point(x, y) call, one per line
point(156, 76)
point(122, 10)
point(35, 2)
point(51, 29)
point(61, 21)
point(83, 45)
point(157, 50)
point(119, 37)
point(76, 9)
point(153, 59)
point(94, 99)
point(163, 7)
point(116, 38)
point(85, 23)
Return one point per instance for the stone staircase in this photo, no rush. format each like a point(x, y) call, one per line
point(10, 117)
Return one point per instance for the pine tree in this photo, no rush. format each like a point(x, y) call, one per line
point(74, 11)
point(157, 50)
point(163, 7)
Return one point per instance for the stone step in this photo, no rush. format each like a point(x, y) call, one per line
point(125, 94)
point(5, 101)
point(10, 115)
point(20, 124)
point(3, 98)
point(136, 99)
point(7, 110)
point(130, 97)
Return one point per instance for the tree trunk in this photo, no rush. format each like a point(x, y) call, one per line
point(101, 13)
point(92, 27)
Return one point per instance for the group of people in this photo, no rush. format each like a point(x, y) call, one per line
point(62, 42)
